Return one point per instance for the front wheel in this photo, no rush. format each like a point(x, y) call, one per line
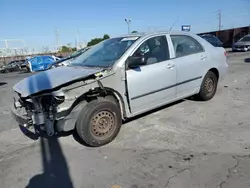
point(208, 87)
point(99, 122)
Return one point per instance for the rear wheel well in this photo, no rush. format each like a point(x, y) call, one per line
point(216, 72)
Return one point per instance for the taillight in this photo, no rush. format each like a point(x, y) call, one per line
point(225, 53)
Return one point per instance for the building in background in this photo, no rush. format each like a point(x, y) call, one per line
point(229, 36)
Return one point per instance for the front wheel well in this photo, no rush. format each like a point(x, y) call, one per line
point(103, 93)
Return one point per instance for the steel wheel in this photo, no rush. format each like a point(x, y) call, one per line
point(102, 124)
point(209, 86)
point(99, 122)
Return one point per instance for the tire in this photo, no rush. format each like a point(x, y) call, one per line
point(99, 122)
point(208, 86)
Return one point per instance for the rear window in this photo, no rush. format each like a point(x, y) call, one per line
point(245, 39)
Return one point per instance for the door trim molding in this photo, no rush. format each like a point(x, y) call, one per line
point(165, 88)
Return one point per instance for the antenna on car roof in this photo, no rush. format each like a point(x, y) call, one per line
point(174, 23)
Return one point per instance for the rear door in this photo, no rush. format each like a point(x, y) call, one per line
point(190, 59)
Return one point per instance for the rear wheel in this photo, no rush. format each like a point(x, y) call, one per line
point(208, 86)
point(99, 122)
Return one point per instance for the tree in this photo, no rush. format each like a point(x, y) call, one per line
point(65, 49)
point(94, 41)
point(97, 40)
point(134, 31)
point(106, 36)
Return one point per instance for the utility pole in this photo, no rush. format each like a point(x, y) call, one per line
point(219, 18)
point(219, 24)
point(57, 38)
point(128, 23)
point(77, 39)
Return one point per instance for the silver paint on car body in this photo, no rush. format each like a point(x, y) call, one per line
point(52, 78)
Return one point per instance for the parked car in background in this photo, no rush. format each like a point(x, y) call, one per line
point(66, 60)
point(21, 64)
point(2, 67)
point(212, 40)
point(117, 79)
point(16, 65)
point(40, 63)
point(242, 45)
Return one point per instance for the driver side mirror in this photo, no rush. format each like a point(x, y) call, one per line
point(136, 61)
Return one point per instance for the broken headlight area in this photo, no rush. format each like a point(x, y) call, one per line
point(38, 112)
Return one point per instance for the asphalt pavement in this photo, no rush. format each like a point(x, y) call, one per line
point(188, 144)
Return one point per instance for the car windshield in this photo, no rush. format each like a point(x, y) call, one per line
point(104, 54)
point(78, 52)
point(245, 39)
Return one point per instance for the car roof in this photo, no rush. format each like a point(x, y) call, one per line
point(145, 34)
point(207, 35)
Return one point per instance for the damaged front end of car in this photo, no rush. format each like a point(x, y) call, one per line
point(54, 108)
point(38, 112)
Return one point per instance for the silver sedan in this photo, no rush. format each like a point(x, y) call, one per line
point(117, 79)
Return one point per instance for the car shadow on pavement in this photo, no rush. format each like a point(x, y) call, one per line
point(55, 168)
point(80, 141)
point(247, 60)
point(3, 83)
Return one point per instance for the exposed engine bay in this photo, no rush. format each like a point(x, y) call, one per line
point(41, 111)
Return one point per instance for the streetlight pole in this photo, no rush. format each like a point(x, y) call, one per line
point(128, 23)
point(77, 39)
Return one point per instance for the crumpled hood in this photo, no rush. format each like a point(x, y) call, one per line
point(52, 78)
point(239, 43)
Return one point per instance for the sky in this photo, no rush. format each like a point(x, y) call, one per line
point(35, 21)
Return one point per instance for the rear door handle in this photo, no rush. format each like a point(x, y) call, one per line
point(203, 58)
point(170, 66)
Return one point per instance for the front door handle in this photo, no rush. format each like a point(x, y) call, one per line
point(170, 66)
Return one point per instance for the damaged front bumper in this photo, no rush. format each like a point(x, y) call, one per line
point(62, 124)
point(20, 116)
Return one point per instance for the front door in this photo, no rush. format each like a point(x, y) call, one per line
point(152, 84)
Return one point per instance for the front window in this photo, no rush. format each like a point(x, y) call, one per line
point(104, 54)
point(154, 50)
point(245, 39)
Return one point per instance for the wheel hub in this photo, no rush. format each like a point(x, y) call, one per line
point(102, 123)
point(209, 85)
